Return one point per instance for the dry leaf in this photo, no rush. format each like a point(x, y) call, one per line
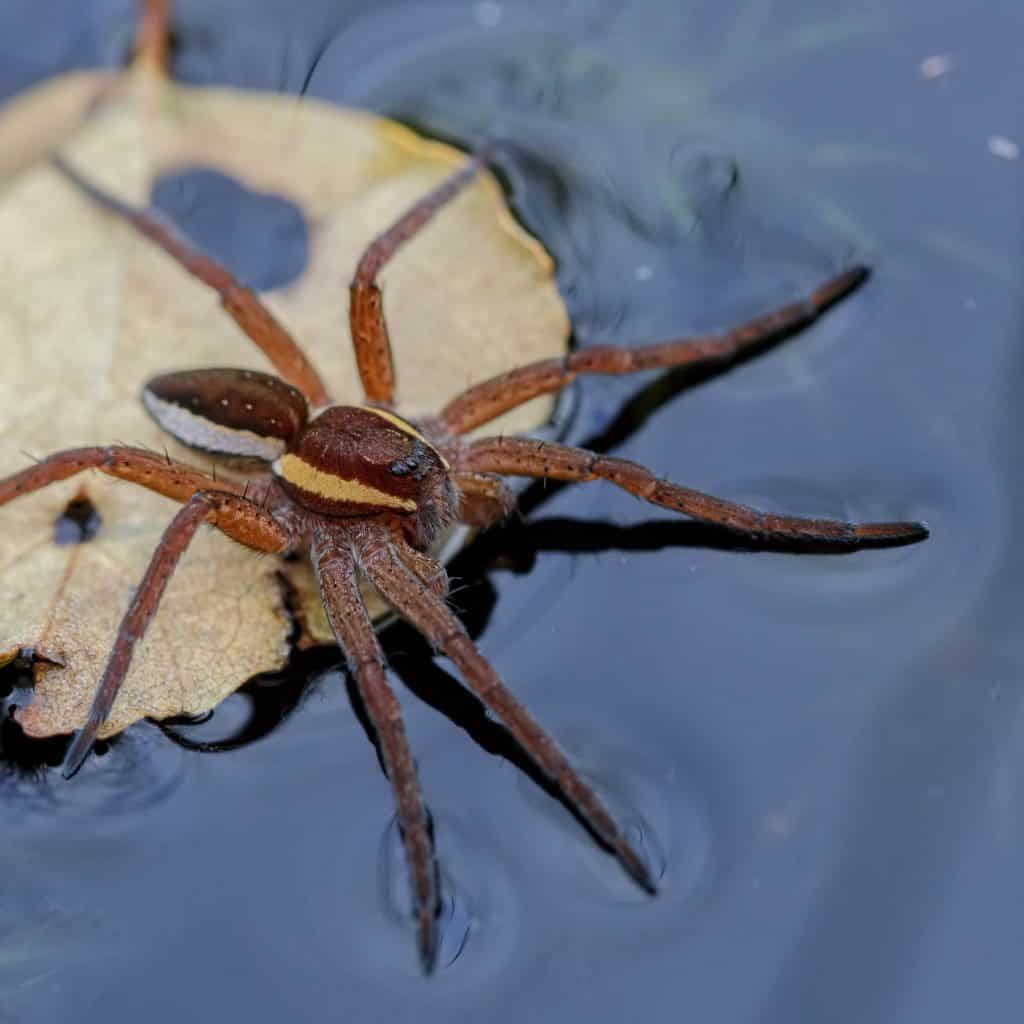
point(89, 311)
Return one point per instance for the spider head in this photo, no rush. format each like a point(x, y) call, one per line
point(358, 461)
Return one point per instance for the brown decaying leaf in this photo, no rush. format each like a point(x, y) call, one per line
point(89, 311)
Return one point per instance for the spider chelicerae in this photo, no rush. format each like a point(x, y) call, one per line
point(365, 491)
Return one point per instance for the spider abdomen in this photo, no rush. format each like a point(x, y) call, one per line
point(353, 461)
point(227, 411)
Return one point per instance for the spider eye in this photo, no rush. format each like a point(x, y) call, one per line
point(405, 467)
point(415, 464)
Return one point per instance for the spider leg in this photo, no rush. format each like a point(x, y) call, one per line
point(487, 400)
point(366, 309)
point(486, 499)
point(241, 303)
point(336, 574)
point(240, 519)
point(430, 572)
point(540, 459)
point(152, 34)
point(432, 617)
point(155, 472)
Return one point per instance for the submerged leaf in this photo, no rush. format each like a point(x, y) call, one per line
point(89, 311)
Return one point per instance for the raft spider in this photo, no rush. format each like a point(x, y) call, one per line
point(365, 491)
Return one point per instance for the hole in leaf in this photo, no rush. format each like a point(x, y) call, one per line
point(263, 239)
point(79, 522)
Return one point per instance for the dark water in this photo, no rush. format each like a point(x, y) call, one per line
point(825, 754)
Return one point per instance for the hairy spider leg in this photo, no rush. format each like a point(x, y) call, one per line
point(155, 472)
point(486, 500)
point(241, 303)
point(220, 502)
point(336, 574)
point(242, 520)
point(366, 308)
point(483, 402)
point(546, 460)
point(432, 617)
point(428, 570)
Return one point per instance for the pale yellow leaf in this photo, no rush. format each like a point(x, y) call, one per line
point(89, 311)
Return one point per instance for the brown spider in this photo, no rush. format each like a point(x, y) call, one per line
point(365, 492)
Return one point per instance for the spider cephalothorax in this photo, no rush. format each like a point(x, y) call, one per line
point(364, 492)
point(358, 461)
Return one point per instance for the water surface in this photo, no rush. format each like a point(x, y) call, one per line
point(822, 752)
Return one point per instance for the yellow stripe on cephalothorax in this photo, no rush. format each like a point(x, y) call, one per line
point(305, 477)
point(405, 428)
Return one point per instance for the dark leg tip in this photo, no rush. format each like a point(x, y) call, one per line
point(426, 941)
point(857, 275)
point(648, 885)
point(637, 870)
point(838, 287)
point(80, 748)
point(891, 533)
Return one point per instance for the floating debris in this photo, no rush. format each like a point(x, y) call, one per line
point(1001, 146)
point(937, 65)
